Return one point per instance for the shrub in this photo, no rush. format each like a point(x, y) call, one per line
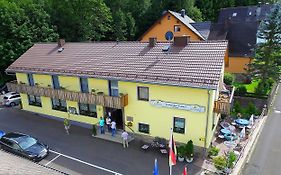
point(181, 151)
point(241, 90)
point(231, 159)
point(94, 130)
point(220, 162)
point(261, 89)
point(237, 108)
point(251, 109)
point(228, 78)
point(213, 151)
point(189, 148)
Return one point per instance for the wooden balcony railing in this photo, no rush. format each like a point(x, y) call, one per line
point(222, 107)
point(103, 100)
point(223, 104)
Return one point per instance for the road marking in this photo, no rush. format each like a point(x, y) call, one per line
point(86, 163)
point(52, 160)
point(277, 111)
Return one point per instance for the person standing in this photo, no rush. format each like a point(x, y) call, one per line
point(124, 136)
point(108, 122)
point(66, 125)
point(101, 123)
point(113, 128)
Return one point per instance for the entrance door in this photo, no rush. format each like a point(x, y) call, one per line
point(116, 115)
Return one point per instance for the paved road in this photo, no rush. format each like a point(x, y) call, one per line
point(80, 153)
point(266, 158)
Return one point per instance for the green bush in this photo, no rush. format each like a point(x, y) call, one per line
point(237, 108)
point(94, 130)
point(261, 89)
point(189, 149)
point(181, 151)
point(220, 162)
point(213, 151)
point(231, 159)
point(251, 109)
point(228, 78)
point(241, 90)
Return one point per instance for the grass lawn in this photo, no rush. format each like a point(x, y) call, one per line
point(250, 87)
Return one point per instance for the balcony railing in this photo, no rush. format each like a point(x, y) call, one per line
point(223, 104)
point(103, 100)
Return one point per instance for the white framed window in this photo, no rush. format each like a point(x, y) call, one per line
point(179, 125)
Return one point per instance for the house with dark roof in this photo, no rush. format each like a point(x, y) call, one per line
point(146, 87)
point(239, 25)
point(172, 24)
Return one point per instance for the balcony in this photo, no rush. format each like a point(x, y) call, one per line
point(103, 100)
point(223, 104)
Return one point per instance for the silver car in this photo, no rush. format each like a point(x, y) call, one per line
point(11, 99)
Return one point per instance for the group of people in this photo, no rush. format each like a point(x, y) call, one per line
point(111, 127)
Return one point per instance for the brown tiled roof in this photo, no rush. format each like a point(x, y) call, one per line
point(199, 64)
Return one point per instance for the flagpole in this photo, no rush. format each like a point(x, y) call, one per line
point(170, 169)
point(170, 147)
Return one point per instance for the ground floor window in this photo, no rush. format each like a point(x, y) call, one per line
point(179, 125)
point(59, 105)
point(88, 109)
point(144, 128)
point(34, 100)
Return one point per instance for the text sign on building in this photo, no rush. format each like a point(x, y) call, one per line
point(187, 107)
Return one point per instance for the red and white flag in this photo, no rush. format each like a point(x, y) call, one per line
point(184, 171)
point(173, 151)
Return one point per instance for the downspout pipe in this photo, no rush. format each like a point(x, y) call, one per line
point(207, 124)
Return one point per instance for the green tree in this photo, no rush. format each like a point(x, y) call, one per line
point(267, 64)
point(80, 20)
point(22, 24)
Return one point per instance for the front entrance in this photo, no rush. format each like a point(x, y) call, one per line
point(116, 115)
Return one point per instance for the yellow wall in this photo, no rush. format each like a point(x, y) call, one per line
point(160, 28)
point(159, 119)
point(238, 64)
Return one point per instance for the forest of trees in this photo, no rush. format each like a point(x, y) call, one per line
point(27, 21)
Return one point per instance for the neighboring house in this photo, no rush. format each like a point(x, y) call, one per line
point(154, 85)
point(172, 24)
point(239, 25)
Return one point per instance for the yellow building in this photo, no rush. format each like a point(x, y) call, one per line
point(172, 24)
point(153, 86)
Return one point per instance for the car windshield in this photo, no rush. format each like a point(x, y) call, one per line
point(26, 142)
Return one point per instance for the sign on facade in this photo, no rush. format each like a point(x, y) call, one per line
point(187, 107)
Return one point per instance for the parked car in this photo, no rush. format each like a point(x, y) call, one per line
point(24, 145)
point(11, 99)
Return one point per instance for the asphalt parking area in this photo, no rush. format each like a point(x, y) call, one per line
point(71, 165)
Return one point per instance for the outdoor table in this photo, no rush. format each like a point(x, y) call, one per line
point(225, 131)
point(242, 122)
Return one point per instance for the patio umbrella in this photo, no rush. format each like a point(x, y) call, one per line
point(251, 120)
point(242, 133)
